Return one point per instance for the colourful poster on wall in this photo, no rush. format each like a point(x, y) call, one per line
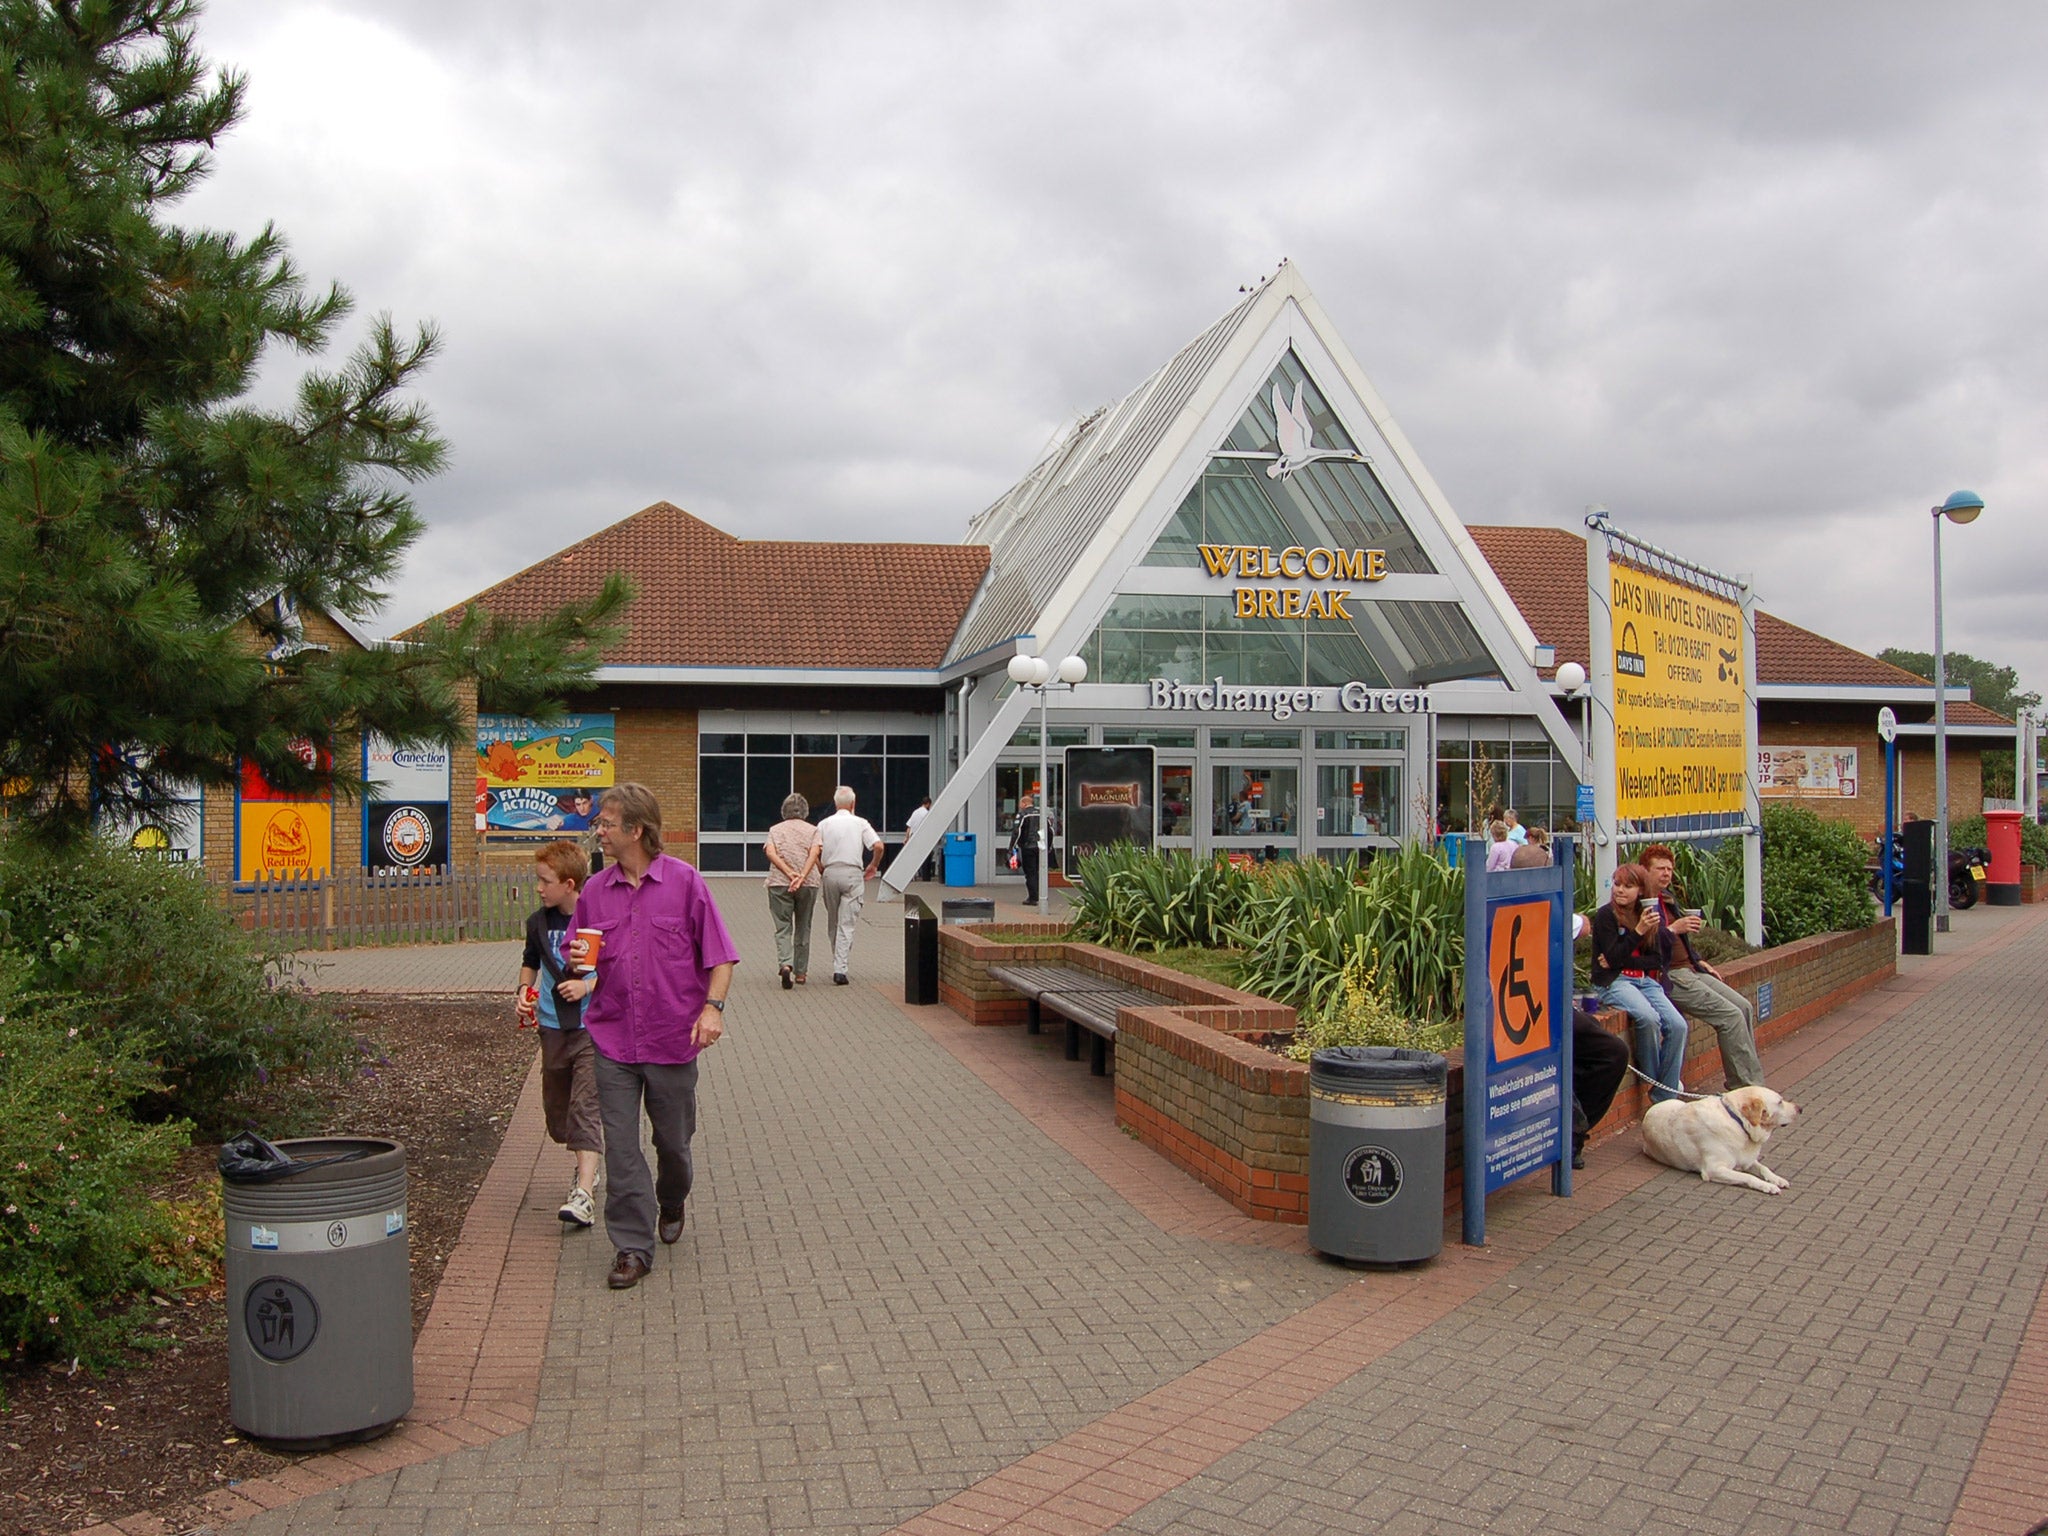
point(285, 840)
point(406, 773)
point(542, 778)
point(1806, 773)
point(405, 837)
point(281, 834)
point(1678, 671)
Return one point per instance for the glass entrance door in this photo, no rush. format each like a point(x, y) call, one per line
point(1358, 805)
point(1255, 809)
point(1176, 792)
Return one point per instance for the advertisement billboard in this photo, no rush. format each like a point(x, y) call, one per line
point(532, 777)
point(1678, 698)
point(1806, 773)
point(283, 834)
point(1108, 800)
point(405, 837)
point(396, 772)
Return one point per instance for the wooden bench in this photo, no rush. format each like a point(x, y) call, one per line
point(1085, 999)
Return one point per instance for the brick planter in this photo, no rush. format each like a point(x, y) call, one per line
point(1194, 1083)
point(2033, 881)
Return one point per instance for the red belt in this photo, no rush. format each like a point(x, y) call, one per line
point(1636, 975)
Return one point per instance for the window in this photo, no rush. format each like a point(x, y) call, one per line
point(743, 778)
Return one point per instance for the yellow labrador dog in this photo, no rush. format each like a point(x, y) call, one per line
point(1720, 1138)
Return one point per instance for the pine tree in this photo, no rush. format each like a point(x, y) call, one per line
point(147, 508)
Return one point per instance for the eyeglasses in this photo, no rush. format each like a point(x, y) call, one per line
point(609, 823)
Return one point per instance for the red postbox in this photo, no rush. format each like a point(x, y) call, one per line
point(2002, 832)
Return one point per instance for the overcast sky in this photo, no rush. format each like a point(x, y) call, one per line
point(1765, 280)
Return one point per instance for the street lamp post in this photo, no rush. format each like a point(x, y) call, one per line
point(1961, 507)
point(1037, 672)
point(1571, 677)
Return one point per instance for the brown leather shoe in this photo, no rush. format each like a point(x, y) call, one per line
point(627, 1272)
point(670, 1227)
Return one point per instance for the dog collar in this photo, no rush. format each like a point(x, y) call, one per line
point(1723, 1099)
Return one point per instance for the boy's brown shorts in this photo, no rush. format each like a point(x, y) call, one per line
point(568, 1089)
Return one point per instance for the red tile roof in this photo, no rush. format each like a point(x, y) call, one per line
point(1544, 571)
point(707, 599)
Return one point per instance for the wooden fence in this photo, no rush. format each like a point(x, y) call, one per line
point(346, 909)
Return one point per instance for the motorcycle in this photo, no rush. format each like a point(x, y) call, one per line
point(1966, 869)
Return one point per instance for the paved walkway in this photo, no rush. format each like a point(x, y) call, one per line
point(928, 1287)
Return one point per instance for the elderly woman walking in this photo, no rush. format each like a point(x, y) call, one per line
point(792, 850)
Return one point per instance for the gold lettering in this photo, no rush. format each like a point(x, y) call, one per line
point(1290, 605)
point(1296, 554)
point(1266, 568)
point(1350, 565)
point(1218, 557)
point(1247, 560)
point(1247, 603)
point(1337, 608)
point(1327, 560)
point(1375, 565)
point(1269, 603)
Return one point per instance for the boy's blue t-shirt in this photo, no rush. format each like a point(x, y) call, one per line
point(547, 936)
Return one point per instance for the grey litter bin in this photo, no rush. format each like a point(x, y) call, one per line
point(319, 1293)
point(956, 910)
point(920, 952)
point(1376, 1153)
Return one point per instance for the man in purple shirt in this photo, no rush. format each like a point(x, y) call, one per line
point(664, 966)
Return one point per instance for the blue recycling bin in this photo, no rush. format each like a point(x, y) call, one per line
point(959, 857)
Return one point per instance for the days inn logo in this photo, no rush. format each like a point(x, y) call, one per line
point(1627, 658)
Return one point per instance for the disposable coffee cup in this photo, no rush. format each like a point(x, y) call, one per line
point(593, 941)
point(1695, 912)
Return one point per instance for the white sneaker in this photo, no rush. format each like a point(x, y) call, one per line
point(577, 1209)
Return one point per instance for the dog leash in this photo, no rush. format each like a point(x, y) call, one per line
point(1680, 1092)
point(1684, 1094)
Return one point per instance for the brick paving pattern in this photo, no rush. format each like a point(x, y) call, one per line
point(928, 1286)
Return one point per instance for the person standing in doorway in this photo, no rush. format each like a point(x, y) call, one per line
point(1024, 845)
point(664, 963)
point(850, 852)
point(917, 816)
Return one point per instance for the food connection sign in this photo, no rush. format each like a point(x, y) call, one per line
point(1678, 669)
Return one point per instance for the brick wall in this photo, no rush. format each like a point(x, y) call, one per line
point(1833, 727)
point(1195, 1084)
point(658, 748)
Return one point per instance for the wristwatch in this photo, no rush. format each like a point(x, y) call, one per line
point(715, 1002)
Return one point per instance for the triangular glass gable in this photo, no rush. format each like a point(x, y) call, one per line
point(1327, 504)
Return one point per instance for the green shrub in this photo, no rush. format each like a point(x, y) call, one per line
point(159, 966)
point(1402, 917)
point(1360, 1013)
point(79, 1236)
point(1138, 901)
point(1816, 878)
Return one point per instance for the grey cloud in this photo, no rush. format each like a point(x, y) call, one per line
point(1757, 277)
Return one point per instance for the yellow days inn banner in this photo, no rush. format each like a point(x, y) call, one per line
point(1678, 670)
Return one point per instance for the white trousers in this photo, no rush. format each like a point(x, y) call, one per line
point(845, 890)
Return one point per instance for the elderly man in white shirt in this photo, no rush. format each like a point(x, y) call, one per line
point(850, 854)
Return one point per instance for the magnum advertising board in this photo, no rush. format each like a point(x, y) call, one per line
point(1108, 800)
point(542, 778)
point(1678, 701)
